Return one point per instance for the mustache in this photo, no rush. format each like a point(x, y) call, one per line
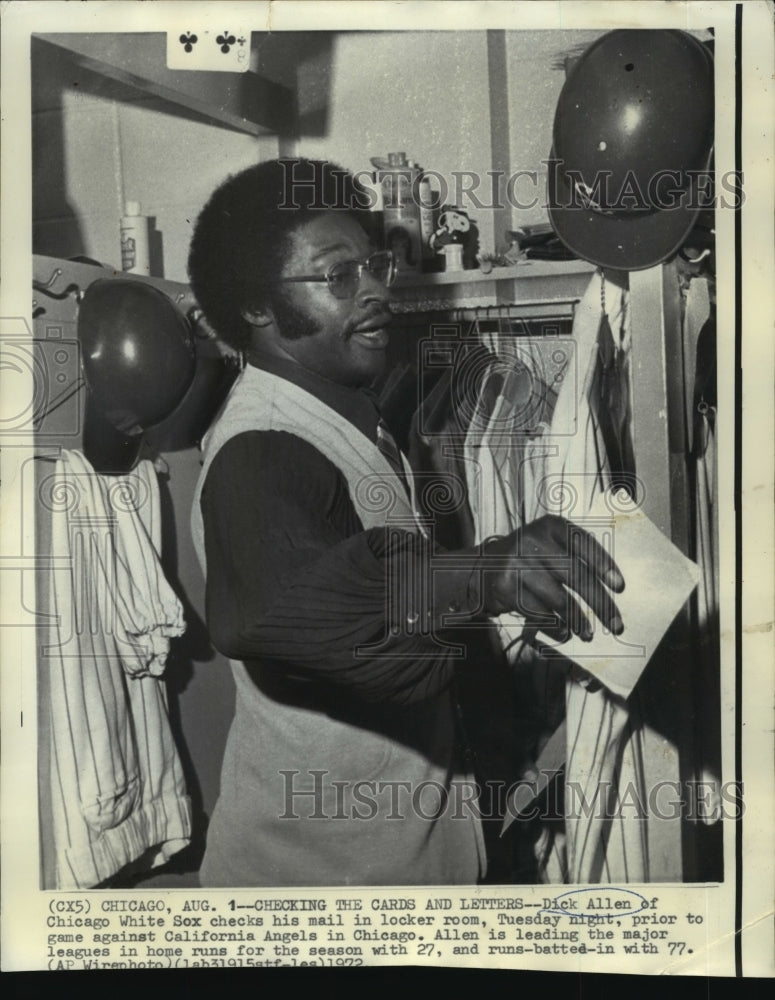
point(374, 319)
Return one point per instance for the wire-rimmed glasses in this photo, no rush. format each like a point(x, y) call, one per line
point(344, 277)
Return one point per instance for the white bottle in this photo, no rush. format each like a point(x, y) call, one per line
point(135, 242)
point(453, 253)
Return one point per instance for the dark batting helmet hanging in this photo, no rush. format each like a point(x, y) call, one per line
point(632, 140)
point(138, 360)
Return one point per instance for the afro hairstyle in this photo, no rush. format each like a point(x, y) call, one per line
point(242, 235)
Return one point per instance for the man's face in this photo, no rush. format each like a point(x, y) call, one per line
point(344, 340)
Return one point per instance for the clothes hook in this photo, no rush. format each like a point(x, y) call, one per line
point(199, 324)
point(45, 287)
point(56, 273)
point(161, 466)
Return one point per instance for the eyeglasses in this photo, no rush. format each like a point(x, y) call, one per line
point(344, 277)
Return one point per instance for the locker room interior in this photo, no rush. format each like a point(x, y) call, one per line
point(474, 101)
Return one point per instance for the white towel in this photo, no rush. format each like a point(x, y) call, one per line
point(117, 786)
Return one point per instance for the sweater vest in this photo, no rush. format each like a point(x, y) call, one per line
point(310, 797)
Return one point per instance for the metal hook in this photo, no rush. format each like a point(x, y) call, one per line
point(161, 466)
point(199, 324)
point(56, 273)
point(71, 289)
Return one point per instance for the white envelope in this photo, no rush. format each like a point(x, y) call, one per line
point(658, 581)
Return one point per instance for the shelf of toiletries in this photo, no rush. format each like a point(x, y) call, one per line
point(529, 282)
point(532, 284)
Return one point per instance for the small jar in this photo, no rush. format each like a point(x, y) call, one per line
point(453, 257)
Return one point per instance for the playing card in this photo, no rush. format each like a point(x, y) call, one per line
point(224, 49)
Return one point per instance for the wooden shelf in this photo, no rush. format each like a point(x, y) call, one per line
point(245, 102)
point(533, 285)
point(525, 269)
point(537, 287)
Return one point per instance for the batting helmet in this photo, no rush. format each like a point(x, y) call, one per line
point(138, 360)
point(632, 140)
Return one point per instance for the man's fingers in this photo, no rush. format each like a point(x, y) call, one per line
point(577, 541)
point(588, 585)
point(553, 559)
point(577, 620)
point(559, 632)
point(584, 546)
point(546, 604)
point(536, 596)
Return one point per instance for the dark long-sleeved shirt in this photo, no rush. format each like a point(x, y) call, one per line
point(297, 586)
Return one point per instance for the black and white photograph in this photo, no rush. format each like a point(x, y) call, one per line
point(387, 453)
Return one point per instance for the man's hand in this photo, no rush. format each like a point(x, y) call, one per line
point(535, 571)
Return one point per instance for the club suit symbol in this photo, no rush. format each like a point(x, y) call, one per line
point(188, 41)
point(225, 41)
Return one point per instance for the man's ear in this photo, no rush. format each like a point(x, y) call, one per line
point(258, 316)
